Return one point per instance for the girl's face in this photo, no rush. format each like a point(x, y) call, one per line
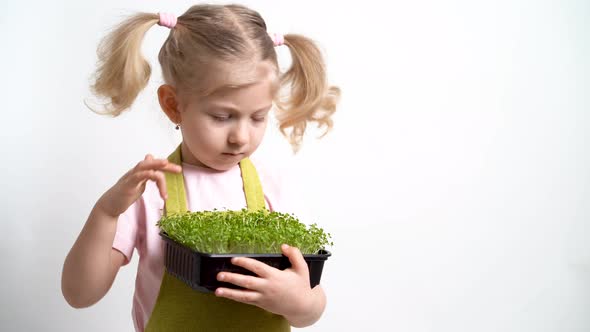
point(228, 125)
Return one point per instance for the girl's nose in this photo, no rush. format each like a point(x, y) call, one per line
point(239, 134)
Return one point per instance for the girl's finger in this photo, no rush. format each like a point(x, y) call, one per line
point(151, 164)
point(160, 180)
point(171, 167)
point(140, 176)
point(158, 164)
point(260, 269)
point(296, 258)
point(248, 282)
point(244, 296)
point(155, 176)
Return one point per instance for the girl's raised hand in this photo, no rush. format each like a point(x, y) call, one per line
point(130, 187)
point(287, 293)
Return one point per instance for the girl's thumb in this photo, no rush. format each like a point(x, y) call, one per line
point(296, 258)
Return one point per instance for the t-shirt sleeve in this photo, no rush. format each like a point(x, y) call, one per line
point(127, 228)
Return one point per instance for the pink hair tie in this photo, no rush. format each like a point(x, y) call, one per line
point(277, 38)
point(167, 20)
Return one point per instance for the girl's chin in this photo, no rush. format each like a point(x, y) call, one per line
point(225, 163)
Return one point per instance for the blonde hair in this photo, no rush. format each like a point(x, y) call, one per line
point(206, 37)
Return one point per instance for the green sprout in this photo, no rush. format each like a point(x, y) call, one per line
point(243, 232)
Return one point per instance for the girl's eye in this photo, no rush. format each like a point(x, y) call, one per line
point(220, 118)
point(258, 119)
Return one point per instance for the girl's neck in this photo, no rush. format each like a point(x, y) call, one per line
point(188, 158)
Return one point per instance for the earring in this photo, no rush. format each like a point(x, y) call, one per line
point(177, 126)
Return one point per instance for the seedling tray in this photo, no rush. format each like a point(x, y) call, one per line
point(199, 270)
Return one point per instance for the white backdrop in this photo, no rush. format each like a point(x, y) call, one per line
point(455, 183)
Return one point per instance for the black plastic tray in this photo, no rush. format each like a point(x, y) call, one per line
point(199, 270)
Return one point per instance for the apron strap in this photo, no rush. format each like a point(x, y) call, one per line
point(252, 186)
point(176, 202)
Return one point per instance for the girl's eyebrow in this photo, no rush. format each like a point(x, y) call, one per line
point(235, 110)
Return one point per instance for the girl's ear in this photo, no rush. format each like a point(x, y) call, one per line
point(169, 102)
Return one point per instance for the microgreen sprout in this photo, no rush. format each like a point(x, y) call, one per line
point(243, 232)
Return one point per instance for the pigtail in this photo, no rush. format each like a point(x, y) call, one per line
point(310, 98)
point(122, 70)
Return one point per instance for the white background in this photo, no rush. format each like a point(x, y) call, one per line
point(456, 182)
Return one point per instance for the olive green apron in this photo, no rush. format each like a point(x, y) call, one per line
point(179, 307)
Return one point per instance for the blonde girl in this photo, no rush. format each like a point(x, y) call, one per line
point(222, 79)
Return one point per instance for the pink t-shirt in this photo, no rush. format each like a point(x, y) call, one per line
point(206, 189)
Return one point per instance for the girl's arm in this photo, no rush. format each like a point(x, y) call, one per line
point(92, 264)
point(309, 315)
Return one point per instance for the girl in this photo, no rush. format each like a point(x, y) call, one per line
point(221, 80)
